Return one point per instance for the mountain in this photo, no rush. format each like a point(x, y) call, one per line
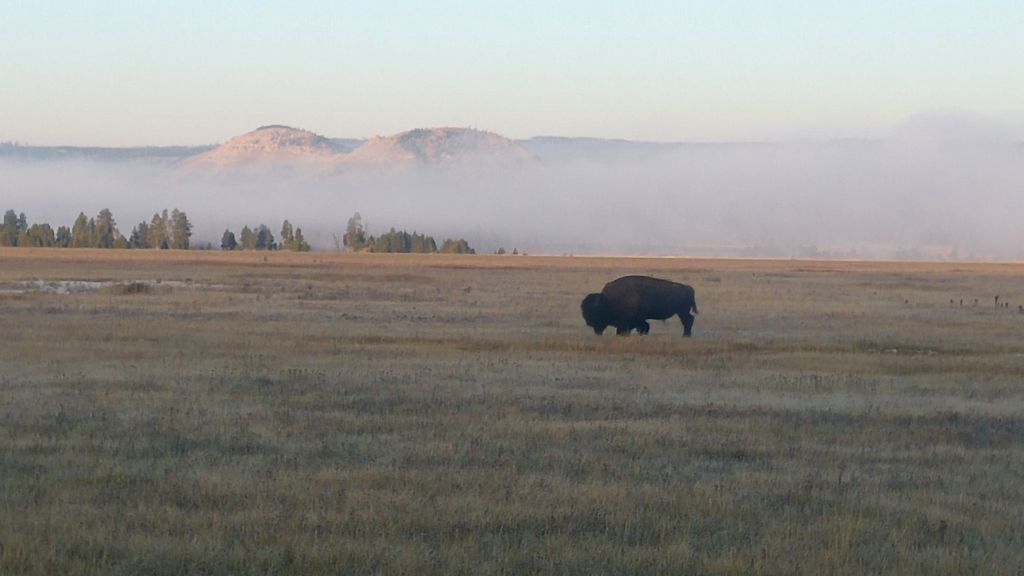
point(282, 145)
point(273, 145)
point(439, 146)
point(276, 147)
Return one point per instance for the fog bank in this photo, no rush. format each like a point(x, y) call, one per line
point(950, 193)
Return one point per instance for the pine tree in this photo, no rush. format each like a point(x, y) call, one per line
point(140, 236)
point(402, 242)
point(106, 229)
point(265, 238)
point(157, 235)
point(227, 241)
point(63, 237)
point(80, 232)
point(300, 242)
point(248, 238)
point(181, 230)
point(355, 233)
point(416, 243)
point(9, 230)
point(40, 235)
point(91, 233)
point(287, 236)
point(422, 244)
point(459, 246)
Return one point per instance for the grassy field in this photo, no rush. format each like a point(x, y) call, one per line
point(246, 413)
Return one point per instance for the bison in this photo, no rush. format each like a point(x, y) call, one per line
point(628, 302)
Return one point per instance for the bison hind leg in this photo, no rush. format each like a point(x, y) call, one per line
point(643, 327)
point(687, 319)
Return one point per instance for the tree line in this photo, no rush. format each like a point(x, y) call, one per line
point(167, 230)
point(261, 238)
point(358, 239)
point(172, 230)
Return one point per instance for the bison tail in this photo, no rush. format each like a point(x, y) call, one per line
point(695, 311)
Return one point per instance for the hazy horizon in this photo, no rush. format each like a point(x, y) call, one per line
point(935, 122)
point(944, 187)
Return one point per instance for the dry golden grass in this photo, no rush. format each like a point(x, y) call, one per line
point(323, 413)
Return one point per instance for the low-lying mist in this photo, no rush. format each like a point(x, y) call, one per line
point(919, 194)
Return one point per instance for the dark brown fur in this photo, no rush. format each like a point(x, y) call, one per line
point(628, 302)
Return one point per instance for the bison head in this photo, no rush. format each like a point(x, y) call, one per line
point(595, 312)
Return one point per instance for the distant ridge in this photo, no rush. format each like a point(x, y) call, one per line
point(276, 144)
point(271, 144)
point(439, 146)
point(99, 153)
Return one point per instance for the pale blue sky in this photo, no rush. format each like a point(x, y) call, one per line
point(187, 72)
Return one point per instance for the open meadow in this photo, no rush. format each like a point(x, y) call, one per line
point(320, 413)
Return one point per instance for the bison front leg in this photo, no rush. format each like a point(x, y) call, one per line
point(623, 331)
point(687, 319)
point(643, 327)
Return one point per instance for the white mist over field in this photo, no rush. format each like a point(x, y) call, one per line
point(934, 189)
